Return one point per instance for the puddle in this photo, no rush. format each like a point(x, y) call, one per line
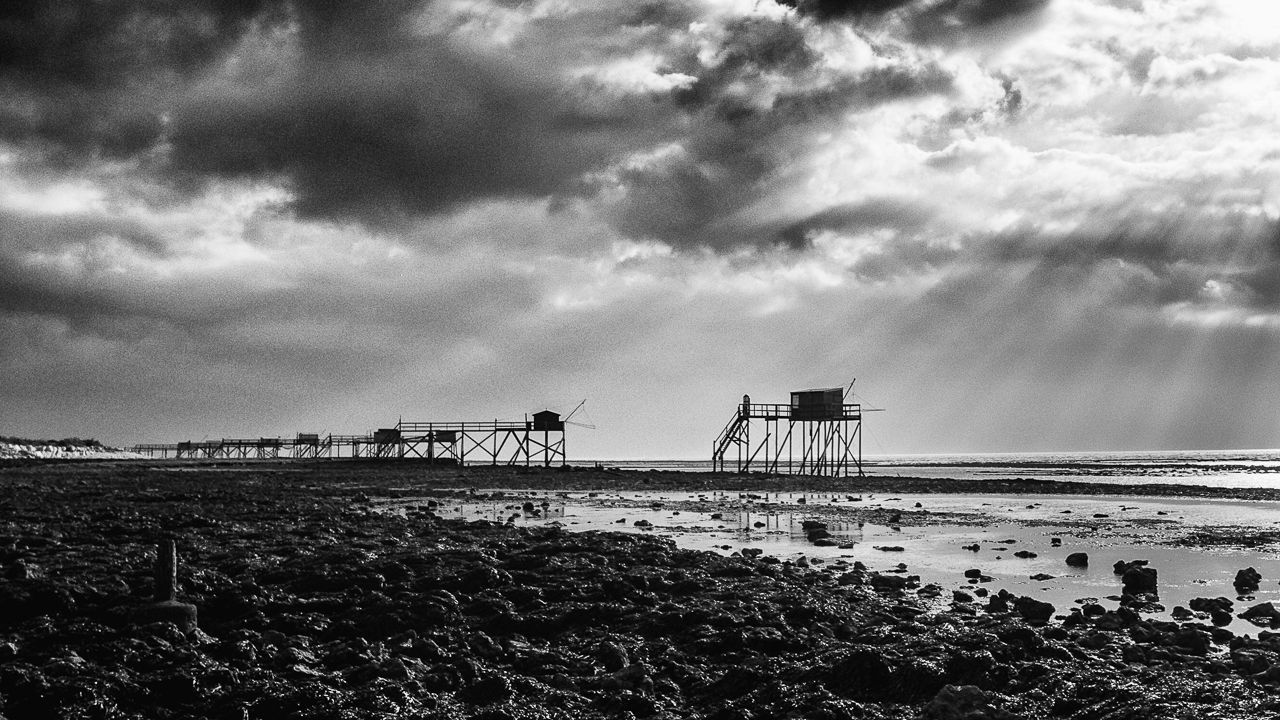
point(773, 523)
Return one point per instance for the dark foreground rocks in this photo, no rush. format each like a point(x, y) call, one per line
point(314, 605)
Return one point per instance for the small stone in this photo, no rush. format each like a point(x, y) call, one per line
point(1078, 559)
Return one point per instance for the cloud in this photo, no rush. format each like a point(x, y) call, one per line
point(92, 79)
point(269, 214)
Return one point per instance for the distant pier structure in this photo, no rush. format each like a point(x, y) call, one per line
point(817, 433)
point(537, 440)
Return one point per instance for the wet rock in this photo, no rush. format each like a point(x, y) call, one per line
point(1041, 577)
point(1139, 579)
point(611, 656)
point(1033, 610)
point(1247, 580)
point(855, 577)
point(931, 590)
point(975, 547)
point(1078, 559)
point(964, 702)
point(961, 596)
point(20, 570)
point(1193, 640)
point(1263, 615)
point(488, 689)
point(888, 548)
point(1024, 554)
point(1218, 604)
point(888, 582)
point(973, 573)
point(1123, 566)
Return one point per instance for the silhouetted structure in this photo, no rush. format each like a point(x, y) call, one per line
point(539, 440)
point(818, 433)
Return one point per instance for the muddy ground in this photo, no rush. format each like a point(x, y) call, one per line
point(313, 605)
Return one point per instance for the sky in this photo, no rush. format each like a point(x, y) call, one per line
point(1021, 225)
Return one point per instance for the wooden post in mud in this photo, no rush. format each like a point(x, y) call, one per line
point(166, 572)
point(165, 606)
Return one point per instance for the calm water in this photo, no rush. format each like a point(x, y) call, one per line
point(1132, 528)
point(1214, 468)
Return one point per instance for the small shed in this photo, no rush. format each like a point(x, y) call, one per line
point(308, 439)
point(386, 436)
point(817, 404)
point(548, 421)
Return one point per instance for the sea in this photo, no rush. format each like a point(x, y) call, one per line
point(1212, 468)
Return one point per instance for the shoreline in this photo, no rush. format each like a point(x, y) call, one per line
point(517, 477)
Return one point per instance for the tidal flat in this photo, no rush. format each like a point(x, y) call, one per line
point(353, 589)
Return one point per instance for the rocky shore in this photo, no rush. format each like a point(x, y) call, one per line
point(312, 604)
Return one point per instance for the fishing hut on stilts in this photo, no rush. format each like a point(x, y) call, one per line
point(817, 433)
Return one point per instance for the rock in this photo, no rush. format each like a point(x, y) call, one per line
point(1218, 604)
point(1247, 580)
point(961, 596)
point(973, 573)
point(811, 525)
point(1123, 566)
point(1263, 615)
point(488, 689)
point(963, 702)
point(888, 548)
point(1033, 610)
point(852, 578)
point(975, 547)
point(888, 582)
point(1024, 554)
point(20, 570)
point(1041, 577)
point(1197, 642)
point(611, 656)
point(1078, 559)
point(1139, 579)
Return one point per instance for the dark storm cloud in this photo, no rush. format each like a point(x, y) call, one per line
point(835, 9)
point(741, 133)
point(929, 21)
point(414, 129)
point(89, 79)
